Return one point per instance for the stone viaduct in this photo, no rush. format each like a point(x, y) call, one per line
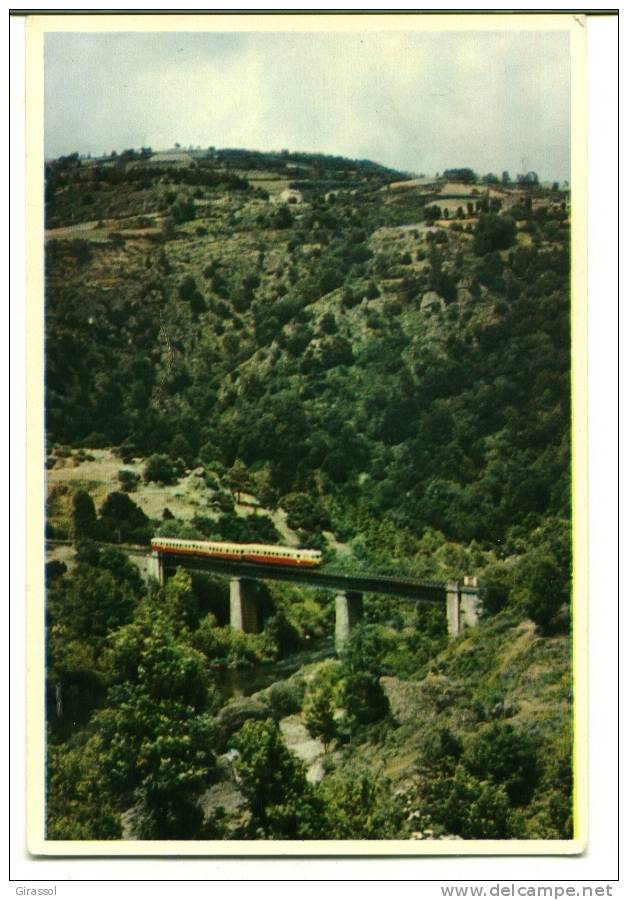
point(461, 600)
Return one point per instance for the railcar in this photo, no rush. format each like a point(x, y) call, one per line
point(270, 554)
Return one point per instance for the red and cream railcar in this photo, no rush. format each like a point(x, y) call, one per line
point(259, 553)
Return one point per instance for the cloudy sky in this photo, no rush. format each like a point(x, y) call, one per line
point(420, 102)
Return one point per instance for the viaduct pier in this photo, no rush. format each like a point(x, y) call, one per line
point(461, 600)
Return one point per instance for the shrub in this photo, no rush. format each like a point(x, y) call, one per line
point(122, 519)
point(96, 440)
point(440, 750)
point(507, 757)
point(83, 515)
point(543, 588)
point(360, 806)
point(469, 808)
point(286, 697)
point(160, 468)
point(364, 699)
point(282, 634)
point(283, 218)
point(495, 589)
point(493, 232)
point(128, 480)
point(328, 324)
point(305, 511)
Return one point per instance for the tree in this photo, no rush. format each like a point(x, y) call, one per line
point(91, 602)
point(157, 730)
point(464, 806)
point(83, 516)
point(283, 218)
point(183, 210)
point(495, 587)
point(493, 232)
point(160, 468)
point(465, 175)
point(328, 324)
point(187, 288)
point(362, 807)
point(238, 479)
point(282, 633)
point(123, 518)
point(77, 807)
point(542, 587)
point(528, 179)
point(319, 713)
point(440, 752)
point(508, 757)
point(282, 802)
point(305, 511)
point(180, 601)
point(128, 480)
point(365, 649)
point(83, 609)
point(364, 699)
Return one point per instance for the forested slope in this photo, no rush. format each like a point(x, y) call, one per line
point(309, 352)
point(388, 385)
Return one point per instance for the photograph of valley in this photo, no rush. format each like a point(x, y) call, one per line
point(308, 432)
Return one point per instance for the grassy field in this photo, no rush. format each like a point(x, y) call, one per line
point(185, 499)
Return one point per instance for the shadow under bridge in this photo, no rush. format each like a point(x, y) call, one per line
point(461, 600)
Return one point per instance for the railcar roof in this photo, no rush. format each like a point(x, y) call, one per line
point(186, 542)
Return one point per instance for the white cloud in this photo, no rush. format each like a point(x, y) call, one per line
point(413, 101)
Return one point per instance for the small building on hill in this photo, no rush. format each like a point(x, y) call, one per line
point(290, 195)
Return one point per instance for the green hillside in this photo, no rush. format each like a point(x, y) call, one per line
point(290, 348)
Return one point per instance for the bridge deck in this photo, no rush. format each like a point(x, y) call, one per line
point(382, 584)
point(409, 588)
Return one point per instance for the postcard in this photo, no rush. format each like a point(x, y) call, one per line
point(307, 434)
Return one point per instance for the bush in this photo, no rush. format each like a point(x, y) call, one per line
point(96, 440)
point(286, 697)
point(494, 232)
point(83, 515)
point(543, 588)
point(283, 218)
point(349, 299)
point(122, 520)
point(365, 650)
point(319, 713)
point(55, 569)
point(282, 633)
point(187, 288)
point(128, 480)
point(364, 699)
point(440, 750)
point(305, 511)
point(328, 324)
point(360, 806)
point(495, 589)
point(468, 808)
point(507, 757)
point(236, 712)
point(161, 469)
